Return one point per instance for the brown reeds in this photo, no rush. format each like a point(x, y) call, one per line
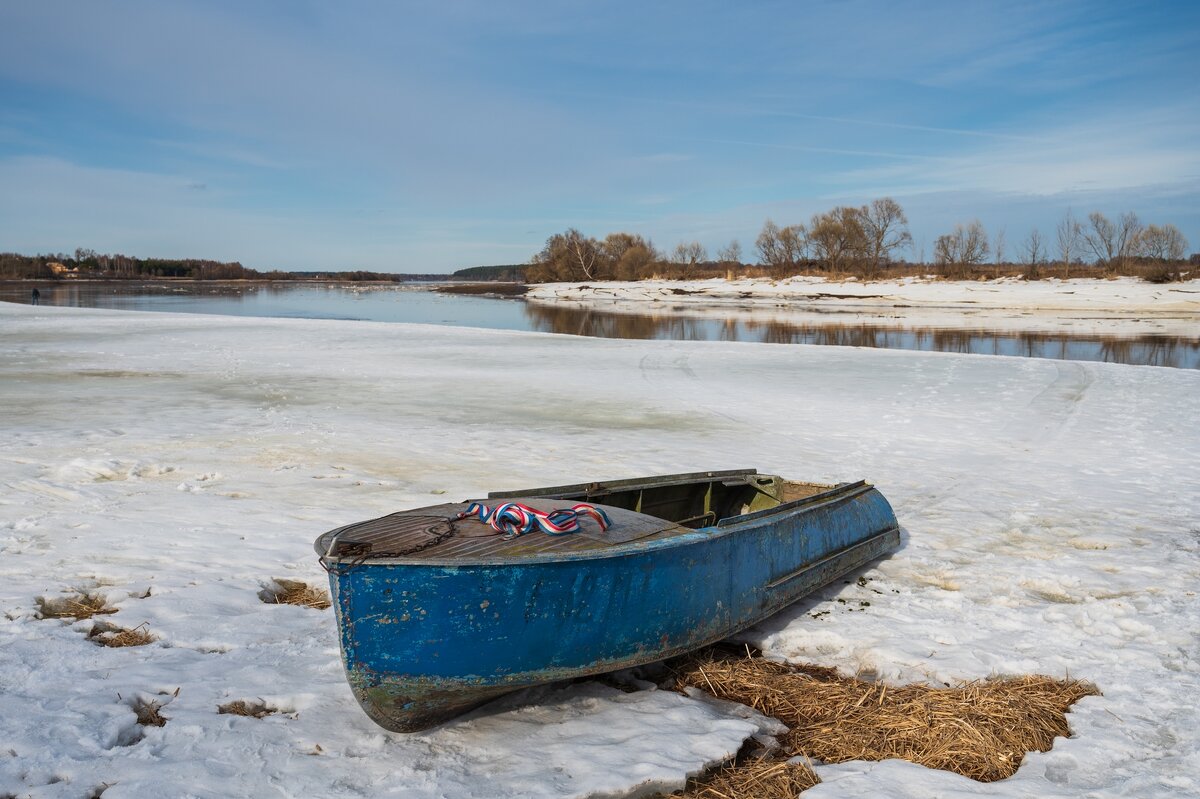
point(979, 729)
point(295, 592)
point(106, 634)
point(760, 779)
point(241, 707)
point(78, 606)
point(148, 713)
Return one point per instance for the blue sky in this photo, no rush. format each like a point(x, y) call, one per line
point(432, 136)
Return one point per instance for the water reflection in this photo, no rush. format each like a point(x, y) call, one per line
point(1146, 350)
point(373, 302)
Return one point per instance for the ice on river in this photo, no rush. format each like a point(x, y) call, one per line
point(1050, 510)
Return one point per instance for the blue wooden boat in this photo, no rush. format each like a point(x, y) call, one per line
point(438, 614)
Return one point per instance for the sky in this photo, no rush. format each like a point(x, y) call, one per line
point(428, 137)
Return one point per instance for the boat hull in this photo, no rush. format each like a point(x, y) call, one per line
point(423, 642)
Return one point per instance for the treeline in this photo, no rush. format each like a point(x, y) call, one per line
point(867, 242)
point(506, 273)
point(1123, 246)
point(92, 265)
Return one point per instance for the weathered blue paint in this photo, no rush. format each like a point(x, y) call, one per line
point(423, 641)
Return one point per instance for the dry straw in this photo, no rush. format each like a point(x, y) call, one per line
point(294, 592)
point(240, 707)
point(80, 605)
point(760, 779)
point(113, 635)
point(148, 713)
point(979, 729)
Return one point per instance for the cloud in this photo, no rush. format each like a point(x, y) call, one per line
point(1102, 153)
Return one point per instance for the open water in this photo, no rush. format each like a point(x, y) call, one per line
point(413, 303)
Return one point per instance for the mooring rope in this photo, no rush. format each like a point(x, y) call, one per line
point(514, 519)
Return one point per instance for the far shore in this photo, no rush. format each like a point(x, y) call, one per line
point(1116, 295)
point(1084, 306)
point(191, 281)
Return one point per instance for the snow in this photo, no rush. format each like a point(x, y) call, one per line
point(1120, 306)
point(1050, 513)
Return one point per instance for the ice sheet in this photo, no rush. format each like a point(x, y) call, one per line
point(1051, 515)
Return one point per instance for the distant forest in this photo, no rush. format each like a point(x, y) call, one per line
point(92, 265)
point(508, 273)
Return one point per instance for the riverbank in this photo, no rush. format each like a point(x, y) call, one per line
point(1119, 295)
point(1121, 306)
point(178, 464)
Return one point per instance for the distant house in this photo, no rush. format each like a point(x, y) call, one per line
point(62, 270)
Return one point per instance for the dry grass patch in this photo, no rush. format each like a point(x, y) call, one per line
point(295, 592)
point(106, 634)
point(979, 729)
point(760, 779)
point(148, 713)
point(80, 605)
point(240, 707)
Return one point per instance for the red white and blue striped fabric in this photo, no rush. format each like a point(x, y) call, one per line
point(513, 518)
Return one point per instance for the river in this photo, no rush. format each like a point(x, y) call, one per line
point(417, 303)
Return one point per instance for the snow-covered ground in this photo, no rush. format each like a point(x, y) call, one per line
point(1051, 515)
point(1122, 306)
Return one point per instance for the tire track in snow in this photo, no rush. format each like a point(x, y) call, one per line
point(1050, 413)
point(1037, 425)
point(657, 369)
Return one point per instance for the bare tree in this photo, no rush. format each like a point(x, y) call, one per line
point(584, 253)
point(1101, 237)
point(1163, 243)
point(731, 254)
point(1033, 253)
point(767, 244)
point(884, 230)
point(1113, 244)
point(690, 253)
point(1129, 231)
point(616, 245)
point(782, 247)
point(998, 242)
point(1166, 246)
point(1068, 232)
point(837, 237)
point(793, 244)
point(569, 256)
point(631, 255)
point(967, 246)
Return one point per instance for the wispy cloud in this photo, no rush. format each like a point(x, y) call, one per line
point(987, 134)
point(825, 150)
point(224, 153)
point(1108, 152)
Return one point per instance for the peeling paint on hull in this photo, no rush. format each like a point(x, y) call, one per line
point(424, 642)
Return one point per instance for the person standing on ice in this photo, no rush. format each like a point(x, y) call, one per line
point(37, 297)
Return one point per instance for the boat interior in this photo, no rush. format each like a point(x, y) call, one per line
point(694, 500)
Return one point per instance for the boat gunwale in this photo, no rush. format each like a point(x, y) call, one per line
point(837, 494)
point(608, 486)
